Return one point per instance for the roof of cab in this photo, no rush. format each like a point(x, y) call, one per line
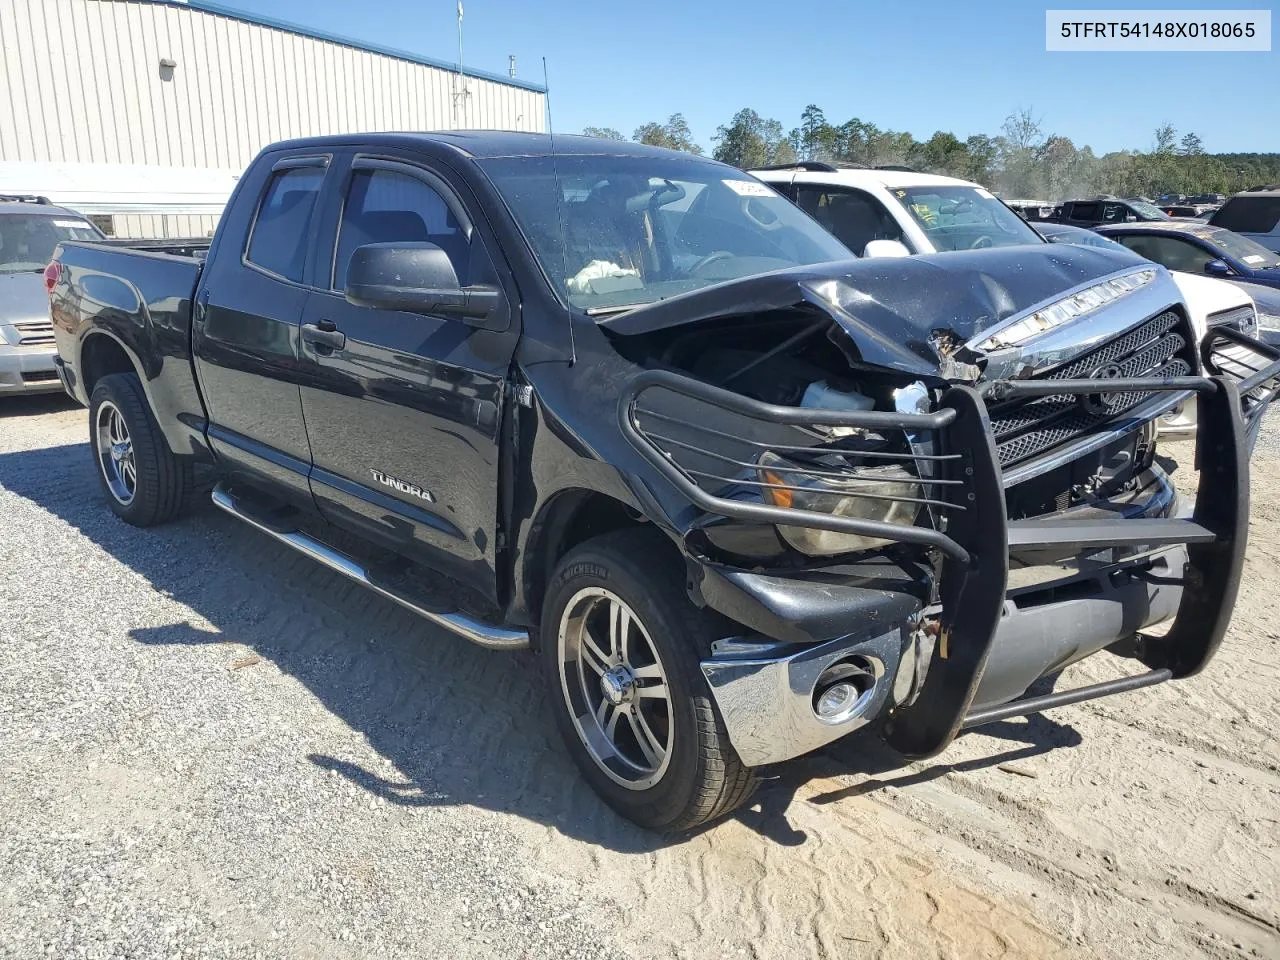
point(863, 177)
point(1195, 227)
point(484, 144)
point(37, 209)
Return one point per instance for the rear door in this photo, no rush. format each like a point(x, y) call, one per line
point(404, 411)
point(246, 323)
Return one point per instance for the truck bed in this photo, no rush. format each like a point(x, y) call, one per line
point(132, 299)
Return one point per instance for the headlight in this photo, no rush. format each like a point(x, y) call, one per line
point(1067, 309)
point(876, 493)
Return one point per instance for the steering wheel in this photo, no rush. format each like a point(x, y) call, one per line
point(710, 258)
point(982, 243)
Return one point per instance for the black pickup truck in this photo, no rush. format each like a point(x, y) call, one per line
point(743, 493)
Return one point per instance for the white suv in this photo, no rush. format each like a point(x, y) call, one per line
point(923, 212)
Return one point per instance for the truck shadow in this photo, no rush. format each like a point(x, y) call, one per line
point(460, 724)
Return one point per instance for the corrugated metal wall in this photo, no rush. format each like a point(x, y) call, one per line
point(81, 81)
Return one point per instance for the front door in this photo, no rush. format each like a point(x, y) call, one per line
point(404, 411)
point(247, 318)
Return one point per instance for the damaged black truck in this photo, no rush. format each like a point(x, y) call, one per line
point(742, 493)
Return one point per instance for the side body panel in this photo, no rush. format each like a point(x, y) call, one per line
point(142, 302)
point(246, 348)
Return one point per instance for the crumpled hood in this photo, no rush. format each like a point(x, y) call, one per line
point(22, 298)
point(894, 308)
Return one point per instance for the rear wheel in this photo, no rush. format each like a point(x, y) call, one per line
point(144, 482)
point(621, 645)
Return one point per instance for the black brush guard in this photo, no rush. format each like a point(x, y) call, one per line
point(1244, 375)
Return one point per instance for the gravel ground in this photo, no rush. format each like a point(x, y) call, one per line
point(212, 747)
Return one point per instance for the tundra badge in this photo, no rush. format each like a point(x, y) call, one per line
point(403, 486)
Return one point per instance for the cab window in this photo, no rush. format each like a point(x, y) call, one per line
point(282, 227)
point(855, 218)
point(383, 206)
point(1170, 252)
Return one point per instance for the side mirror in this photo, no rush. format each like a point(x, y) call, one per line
point(415, 277)
point(1217, 268)
point(885, 248)
point(1130, 218)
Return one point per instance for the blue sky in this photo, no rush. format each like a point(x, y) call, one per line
point(918, 65)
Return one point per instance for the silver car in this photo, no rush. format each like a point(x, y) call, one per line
point(30, 227)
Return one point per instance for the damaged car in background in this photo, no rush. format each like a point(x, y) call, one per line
point(743, 493)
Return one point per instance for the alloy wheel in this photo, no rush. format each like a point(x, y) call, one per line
point(115, 453)
point(615, 687)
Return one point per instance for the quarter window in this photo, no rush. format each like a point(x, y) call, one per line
point(1249, 214)
point(282, 228)
point(387, 207)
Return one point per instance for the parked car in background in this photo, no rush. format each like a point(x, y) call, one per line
point(1254, 214)
point(30, 229)
point(1088, 213)
point(917, 212)
point(744, 493)
point(1032, 210)
point(1210, 303)
point(1200, 248)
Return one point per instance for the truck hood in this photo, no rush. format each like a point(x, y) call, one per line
point(23, 297)
point(902, 313)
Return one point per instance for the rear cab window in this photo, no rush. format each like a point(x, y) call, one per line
point(1249, 214)
point(283, 224)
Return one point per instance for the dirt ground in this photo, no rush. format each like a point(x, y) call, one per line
point(212, 747)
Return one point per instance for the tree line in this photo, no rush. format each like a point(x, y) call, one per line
point(1021, 161)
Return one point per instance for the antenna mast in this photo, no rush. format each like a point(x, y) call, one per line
point(460, 91)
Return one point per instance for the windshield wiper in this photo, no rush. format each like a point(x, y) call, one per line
point(620, 308)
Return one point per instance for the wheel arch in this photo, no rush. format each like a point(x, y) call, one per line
point(101, 353)
point(568, 518)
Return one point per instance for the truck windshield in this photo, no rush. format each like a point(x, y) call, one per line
point(27, 241)
point(1254, 254)
point(964, 218)
point(614, 232)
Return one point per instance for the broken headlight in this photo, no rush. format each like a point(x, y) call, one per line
point(888, 494)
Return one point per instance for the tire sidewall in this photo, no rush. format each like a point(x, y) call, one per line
point(588, 566)
point(124, 396)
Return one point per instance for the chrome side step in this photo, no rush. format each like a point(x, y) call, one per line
point(484, 634)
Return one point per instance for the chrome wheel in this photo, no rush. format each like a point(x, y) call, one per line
point(615, 688)
point(115, 453)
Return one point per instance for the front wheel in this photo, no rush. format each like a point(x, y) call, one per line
point(621, 645)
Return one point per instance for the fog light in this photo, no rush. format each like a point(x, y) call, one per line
point(835, 700)
point(846, 689)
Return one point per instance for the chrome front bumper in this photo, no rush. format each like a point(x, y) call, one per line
point(767, 700)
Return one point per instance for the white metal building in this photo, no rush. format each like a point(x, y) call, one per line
point(145, 111)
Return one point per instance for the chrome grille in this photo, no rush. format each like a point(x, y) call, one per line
point(1159, 347)
point(34, 333)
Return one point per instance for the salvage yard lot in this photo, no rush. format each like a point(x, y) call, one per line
point(210, 746)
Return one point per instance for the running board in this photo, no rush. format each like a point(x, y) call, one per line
point(484, 634)
point(1020, 708)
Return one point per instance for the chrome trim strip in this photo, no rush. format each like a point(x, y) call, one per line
point(767, 703)
point(486, 635)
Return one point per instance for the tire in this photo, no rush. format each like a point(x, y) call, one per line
point(669, 765)
point(144, 482)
